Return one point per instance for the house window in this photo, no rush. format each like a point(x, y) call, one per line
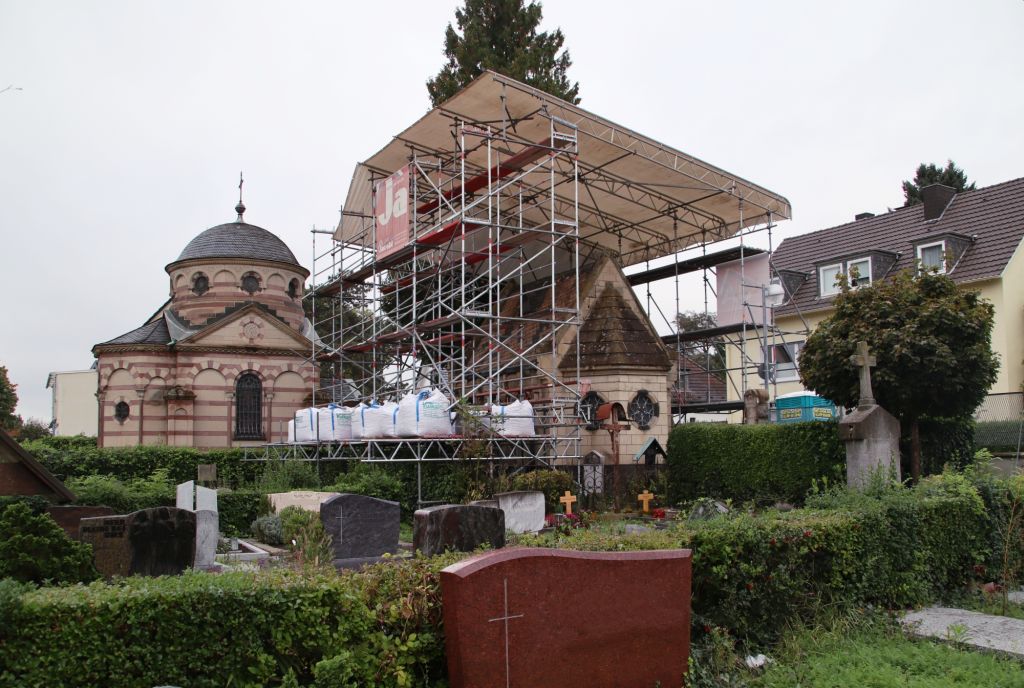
point(248, 407)
point(932, 256)
point(121, 411)
point(785, 361)
point(827, 276)
point(862, 268)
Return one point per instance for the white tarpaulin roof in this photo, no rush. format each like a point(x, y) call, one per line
point(638, 198)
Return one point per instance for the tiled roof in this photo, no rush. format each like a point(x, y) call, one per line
point(151, 333)
point(614, 336)
point(993, 215)
point(238, 240)
point(699, 384)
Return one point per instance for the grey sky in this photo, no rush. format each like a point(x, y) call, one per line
point(136, 116)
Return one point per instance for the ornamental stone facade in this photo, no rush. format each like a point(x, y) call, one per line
point(225, 361)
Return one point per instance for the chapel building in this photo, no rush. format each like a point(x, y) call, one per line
point(225, 362)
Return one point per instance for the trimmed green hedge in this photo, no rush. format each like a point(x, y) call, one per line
point(80, 458)
point(237, 510)
point(944, 441)
point(997, 435)
point(765, 463)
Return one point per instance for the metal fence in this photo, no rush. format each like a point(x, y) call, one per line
point(1000, 422)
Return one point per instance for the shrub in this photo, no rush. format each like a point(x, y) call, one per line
point(766, 463)
point(552, 483)
point(944, 441)
point(124, 497)
point(37, 504)
point(372, 481)
point(35, 549)
point(998, 435)
point(286, 475)
point(267, 529)
point(294, 519)
point(239, 508)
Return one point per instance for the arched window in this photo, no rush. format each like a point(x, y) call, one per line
point(248, 407)
point(293, 288)
point(121, 411)
point(200, 284)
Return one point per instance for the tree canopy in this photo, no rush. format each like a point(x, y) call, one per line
point(8, 402)
point(501, 35)
point(709, 353)
point(932, 340)
point(950, 175)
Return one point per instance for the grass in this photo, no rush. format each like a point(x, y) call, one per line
point(864, 650)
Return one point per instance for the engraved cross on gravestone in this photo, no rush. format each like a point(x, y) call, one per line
point(865, 361)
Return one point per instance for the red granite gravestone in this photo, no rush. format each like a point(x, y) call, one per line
point(533, 617)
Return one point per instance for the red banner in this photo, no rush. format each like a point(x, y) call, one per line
point(391, 208)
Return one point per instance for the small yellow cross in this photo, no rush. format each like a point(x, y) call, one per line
point(567, 499)
point(646, 498)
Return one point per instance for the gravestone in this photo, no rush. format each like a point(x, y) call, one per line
point(362, 529)
point(150, 542)
point(69, 517)
point(871, 434)
point(524, 511)
point(510, 619)
point(206, 473)
point(308, 500)
point(459, 527)
point(202, 501)
point(485, 502)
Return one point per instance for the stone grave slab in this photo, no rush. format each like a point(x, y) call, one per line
point(362, 528)
point(150, 542)
point(185, 495)
point(207, 537)
point(524, 511)
point(69, 517)
point(206, 499)
point(206, 473)
point(485, 502)
point(459, 527)
point(512, 619)
point(308, 500)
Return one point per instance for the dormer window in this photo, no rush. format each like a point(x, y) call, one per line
point(932, 256)
point(828, 275)
point(858, 271)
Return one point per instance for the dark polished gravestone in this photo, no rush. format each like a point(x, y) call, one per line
point(511, 619)
point(151, 542)
point(459, 527)
point(362, 529)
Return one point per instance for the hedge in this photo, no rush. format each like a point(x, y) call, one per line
point(765, 463)
point(81, 458)
point(944, 441)
point(752, 575)
point(998, 435)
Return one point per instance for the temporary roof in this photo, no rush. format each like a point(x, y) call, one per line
point(637, 197)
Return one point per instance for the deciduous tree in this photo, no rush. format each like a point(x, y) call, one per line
point(8, 402)
point(502, 35)
point(932, 340)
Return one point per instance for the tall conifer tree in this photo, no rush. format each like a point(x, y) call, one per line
point(501, 35)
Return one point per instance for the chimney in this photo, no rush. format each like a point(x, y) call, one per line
point(936, 198)
point(862, 216)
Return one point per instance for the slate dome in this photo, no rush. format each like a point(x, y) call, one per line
point(238, 240)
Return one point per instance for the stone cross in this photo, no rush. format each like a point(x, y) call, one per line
point(865, 361)
point(506, 618)
point(646, 498)
point(567, 499)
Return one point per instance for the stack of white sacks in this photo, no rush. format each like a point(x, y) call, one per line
point(418, 414)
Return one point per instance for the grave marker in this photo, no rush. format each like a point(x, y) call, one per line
point(524, 511)
point(150, 542)
point(507, 624)
point(871, 434)
point(567, 499)
point(645, 498)
point(306, 499)
point(458, 527)
point(362, 529)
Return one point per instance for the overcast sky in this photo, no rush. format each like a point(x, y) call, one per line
point(134, 118)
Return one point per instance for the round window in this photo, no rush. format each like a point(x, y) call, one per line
point(200, 284)
point(250, 283)
point(643, 409)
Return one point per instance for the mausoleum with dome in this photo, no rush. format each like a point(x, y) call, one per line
point(225, 362)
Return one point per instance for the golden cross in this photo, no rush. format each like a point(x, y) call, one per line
point(646, 498)
point(567, 499)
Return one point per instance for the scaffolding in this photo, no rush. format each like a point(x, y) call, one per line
point(513, 197)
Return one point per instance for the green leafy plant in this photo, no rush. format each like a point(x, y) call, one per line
point(124, 496)
point(35, 549)
point(286, 475)
point(267, 529)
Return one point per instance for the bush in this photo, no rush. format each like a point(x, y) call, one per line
point(286, 475)
point(552, 483)
point(35, 549)
point(267, 529)
point(239, 508)
point(294, 519)
point(765, 463)
point(997, 435)
point(372, 481)
point(37, 504)
point(124, 497)
point(944, 441)
point(75, 457)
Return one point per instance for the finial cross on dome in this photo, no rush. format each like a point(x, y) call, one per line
point(240, 208)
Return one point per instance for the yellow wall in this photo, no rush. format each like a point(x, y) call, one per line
point(75, 408)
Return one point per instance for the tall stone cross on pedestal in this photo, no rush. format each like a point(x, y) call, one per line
point(865, 361)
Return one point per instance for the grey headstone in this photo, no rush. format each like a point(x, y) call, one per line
point(457, 527)
point(360, 526)
point(151, 542)
point(207, 536)
point(524, 511)
point(485, 502)
point(206, 473)
point(206, 499)
point(872, 437)
point(185, 496)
